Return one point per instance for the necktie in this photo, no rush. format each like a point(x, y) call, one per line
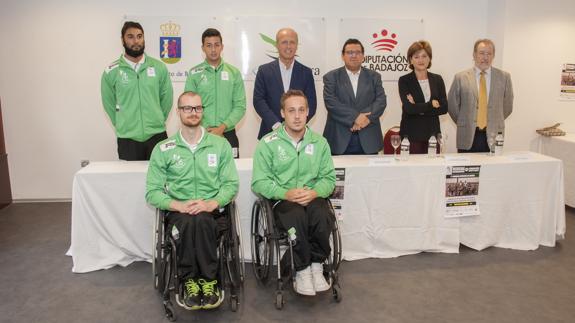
point(482, 103)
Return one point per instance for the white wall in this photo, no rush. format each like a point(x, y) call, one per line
point(538, 39)
point(53, 53)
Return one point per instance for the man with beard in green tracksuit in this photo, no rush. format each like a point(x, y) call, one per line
point(192, 176)
point(137, 96)
point(293, 168)
point(222, 90)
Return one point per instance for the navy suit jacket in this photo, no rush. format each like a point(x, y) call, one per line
point(269, 88)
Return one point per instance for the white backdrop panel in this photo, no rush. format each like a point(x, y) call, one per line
point(385, 42)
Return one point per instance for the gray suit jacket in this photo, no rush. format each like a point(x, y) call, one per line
point(343, 107)
point(463, 98)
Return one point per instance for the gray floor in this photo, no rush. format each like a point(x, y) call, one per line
point(494, 285)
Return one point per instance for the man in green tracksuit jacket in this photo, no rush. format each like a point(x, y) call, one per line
point(293, 168)
point(137, 96)
point(222, 90)
point(192, 175)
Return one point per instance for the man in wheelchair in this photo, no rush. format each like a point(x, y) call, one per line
point(192, 175)
point(293, 168)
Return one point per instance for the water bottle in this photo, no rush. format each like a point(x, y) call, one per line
point(499, 144)
point(404, 149)
point(291, 235)
point(432, 147)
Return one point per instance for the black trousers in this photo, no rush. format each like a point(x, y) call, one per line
point(313, 225)
point(129, 149)
point(196, 238)
point(234, 142)
point(420, 147)
point(479, 143)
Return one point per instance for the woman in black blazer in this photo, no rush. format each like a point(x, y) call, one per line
point(423, 99)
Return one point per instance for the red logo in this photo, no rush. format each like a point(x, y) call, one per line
point(384, 44)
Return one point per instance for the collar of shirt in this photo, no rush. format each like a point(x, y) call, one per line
point(295, 142)
point(137, 64)
point(192, 147)
point(216, 68)
point(284, 67)
point(352, 74)
point(478, 72)
point(487, 79)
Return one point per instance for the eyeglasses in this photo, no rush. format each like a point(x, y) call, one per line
point(353, 53)
point(189, 108)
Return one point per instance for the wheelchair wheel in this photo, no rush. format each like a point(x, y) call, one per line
point(242, 259)
point(335, 244)
point(233, 260)
point(261, 246)
point(157, 251)
point(279, 300)
point(170, 313)
point(164, 273)
point(234, 303)
point(334, 259)
point(336, 291)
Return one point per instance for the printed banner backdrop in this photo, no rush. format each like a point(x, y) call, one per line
point(176, 40)
point(248, 41)
point(385, 42)
point(255, 38)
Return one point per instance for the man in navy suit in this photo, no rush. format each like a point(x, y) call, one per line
point(277, 77)
point(355, 100)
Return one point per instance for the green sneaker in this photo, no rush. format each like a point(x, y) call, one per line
point(212, 293)
point(192, 296)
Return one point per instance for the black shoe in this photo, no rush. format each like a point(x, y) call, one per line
point(212, 293)
point(192, 295)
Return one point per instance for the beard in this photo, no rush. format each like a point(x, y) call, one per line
point(134, 53)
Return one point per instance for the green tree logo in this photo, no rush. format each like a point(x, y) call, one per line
point(273, 54)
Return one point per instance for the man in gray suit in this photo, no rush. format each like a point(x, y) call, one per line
point(480, 99)
point(355, 100)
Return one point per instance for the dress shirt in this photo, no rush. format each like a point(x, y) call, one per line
point(286, 74)
point(487, 79)
point(354, 79)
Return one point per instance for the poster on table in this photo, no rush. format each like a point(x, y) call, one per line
point(567, 86)
point(385, 42)
point(336, 197)
point(461, 191)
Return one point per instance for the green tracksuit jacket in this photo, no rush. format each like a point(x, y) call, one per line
point(278, 167)
point(138, 104)
point(222, 91)
point(177, 173)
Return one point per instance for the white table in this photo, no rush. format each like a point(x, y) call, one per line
point(389, 210)
point(562, 147)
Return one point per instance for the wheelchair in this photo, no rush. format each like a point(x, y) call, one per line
point(230, 264)
point(268, 244)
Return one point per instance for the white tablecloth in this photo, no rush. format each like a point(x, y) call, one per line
point(389, 210)
point(562, 147)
